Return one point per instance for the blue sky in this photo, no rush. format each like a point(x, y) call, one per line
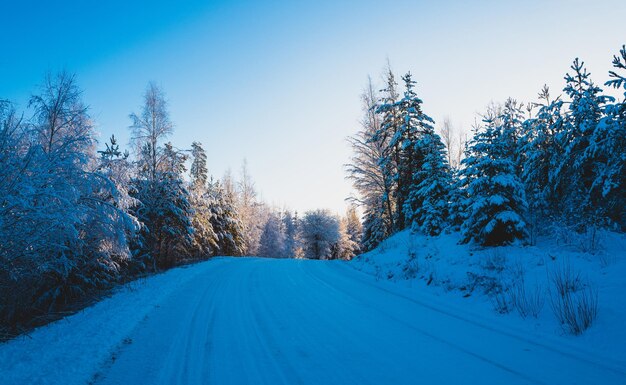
point(278, 83)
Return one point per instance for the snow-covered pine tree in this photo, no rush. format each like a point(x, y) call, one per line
point(495, 202)
point(457, 197)
point(204, 238)
point(389, 139)
point(375, 230)
point(198, 172)
point(575, 174)
point(427, 206)
point(413, 123)
point(225, 221)
point(410, 137)
point(606, 150)
point(542, 151)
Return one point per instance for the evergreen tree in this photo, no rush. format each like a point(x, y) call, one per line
point(374, 229)
point(198, 171)
point(575, 173)
point(495, 202)
point(408, 123)
point(204, 238)
point(225, 221)
point(607, 144)
point(542, 151)
point(427, 205)
point(389, 161)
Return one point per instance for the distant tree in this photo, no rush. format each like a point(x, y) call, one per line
point(447, 132)
point(253, 213)
point(320, 230)
point(225, 221)
point(293, 241)
point(344, 248)
point(354, 229)
point(149, 129)
point(272, 242)
point(198, 171)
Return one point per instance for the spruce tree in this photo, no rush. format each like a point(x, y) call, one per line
point(427, 205)
point(404, 123)
point(204, 238)
point(390, 154)
point(495, 196)
point(575, 174)
point(225, 221)
point(608, 142)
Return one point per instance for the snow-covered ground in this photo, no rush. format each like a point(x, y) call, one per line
point(483, 281)
point(267, 321)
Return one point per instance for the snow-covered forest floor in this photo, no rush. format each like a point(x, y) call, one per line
point(516, 285)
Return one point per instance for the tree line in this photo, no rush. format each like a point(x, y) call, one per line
point(75, 220)
point(552, 163)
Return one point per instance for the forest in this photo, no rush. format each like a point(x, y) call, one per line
point(78, 217)
point(529, 169)
point(76, 220)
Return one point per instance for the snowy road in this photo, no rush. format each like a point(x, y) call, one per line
point(264, 321)
point(259, 321)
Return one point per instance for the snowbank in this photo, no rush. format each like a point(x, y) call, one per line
point(486, 282)
point(90, 337)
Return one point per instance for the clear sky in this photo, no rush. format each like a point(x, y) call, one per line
point(278, 83)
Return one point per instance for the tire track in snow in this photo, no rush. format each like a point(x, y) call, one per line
point(308, 322)
point(432, 336)
point(353, 276)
